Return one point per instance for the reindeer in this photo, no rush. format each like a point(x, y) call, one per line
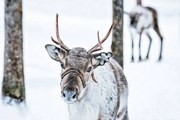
point(92, 84)
point(141, 20)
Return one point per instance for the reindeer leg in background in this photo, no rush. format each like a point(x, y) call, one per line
point(156, 28)
point(132, 47)
point(140, 35)
point(150, 41)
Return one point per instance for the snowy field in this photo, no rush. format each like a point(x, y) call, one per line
point(154, 92)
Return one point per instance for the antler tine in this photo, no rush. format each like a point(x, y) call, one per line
point(56, 42)
point(99, 44)
point(95, 48)
point(59, 42)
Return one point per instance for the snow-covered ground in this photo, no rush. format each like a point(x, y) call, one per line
point(154, 92)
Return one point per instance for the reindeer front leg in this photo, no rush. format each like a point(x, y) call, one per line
point(140, 35)
point(132, 46)
point(150, 41)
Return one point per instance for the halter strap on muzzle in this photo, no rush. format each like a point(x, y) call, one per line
point(71, 70)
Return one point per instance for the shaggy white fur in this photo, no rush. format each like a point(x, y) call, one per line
point(145, 19)
point(101, 98)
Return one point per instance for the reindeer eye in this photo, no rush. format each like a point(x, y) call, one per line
point(89, 69)
point(62, 65)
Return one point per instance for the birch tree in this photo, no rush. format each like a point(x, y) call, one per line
point(13, 80)
point(117, 35)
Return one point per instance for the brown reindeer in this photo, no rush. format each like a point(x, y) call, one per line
point(141, 20)
point(92, 84)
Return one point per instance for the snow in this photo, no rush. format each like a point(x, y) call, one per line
point(154, 92)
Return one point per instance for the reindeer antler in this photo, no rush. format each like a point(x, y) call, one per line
point(96, 47)
point(59, 42)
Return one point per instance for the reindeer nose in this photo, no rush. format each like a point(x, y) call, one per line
point(69, 94)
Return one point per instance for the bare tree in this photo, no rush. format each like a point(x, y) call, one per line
point(117, 38)
point(13, 79)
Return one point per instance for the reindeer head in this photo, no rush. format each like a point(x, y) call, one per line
point(77, 65)
point(134, 18)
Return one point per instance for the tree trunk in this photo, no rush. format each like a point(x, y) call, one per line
point(13, 79)
point(117, 38)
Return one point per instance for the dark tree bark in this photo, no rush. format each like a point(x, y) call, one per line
point(13, 79)
point(117, 38)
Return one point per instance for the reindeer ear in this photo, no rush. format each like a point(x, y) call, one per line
point(55, 53)
point(101, 58)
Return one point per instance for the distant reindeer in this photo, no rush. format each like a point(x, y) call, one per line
point(141, 20)
point(93, 85)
